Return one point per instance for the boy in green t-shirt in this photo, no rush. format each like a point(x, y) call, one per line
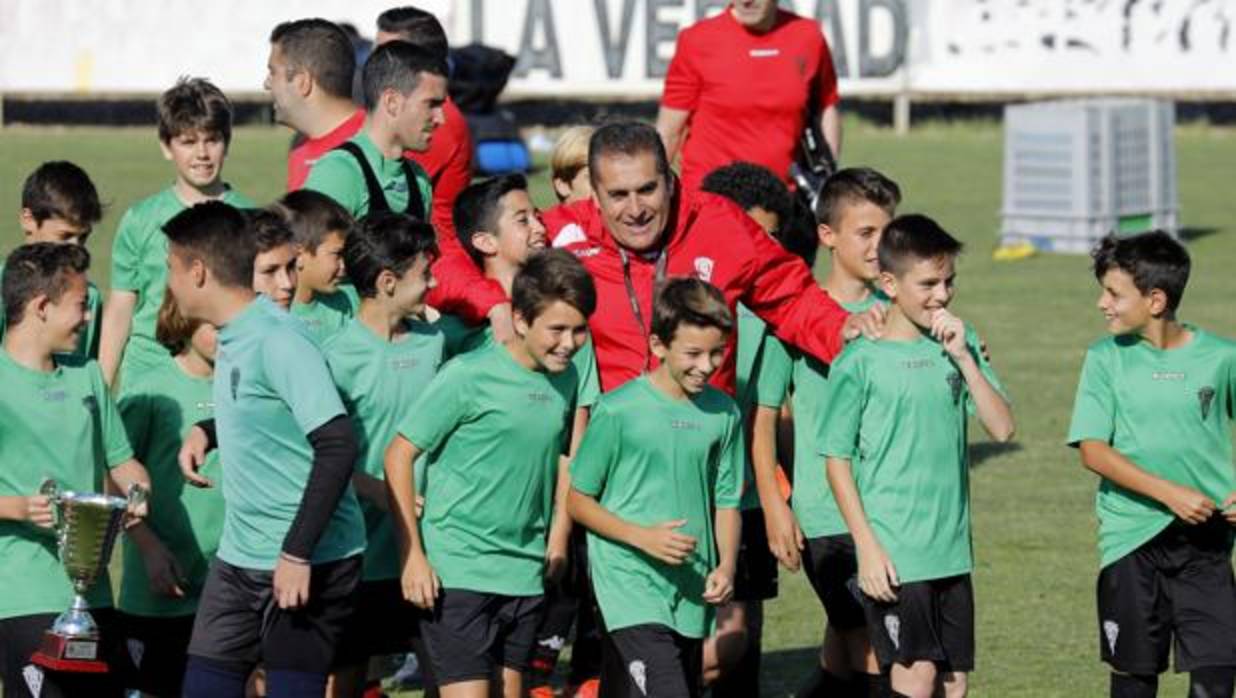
point(382, 361)
point(1153, 418)
point(493, 424)
point(894, 434)
point(166, 559)
point(195, 128)
point(289, 560)
point(275, 272)
point(320, 227)
point(57, 421)
point(60, 204)
point(657, 483)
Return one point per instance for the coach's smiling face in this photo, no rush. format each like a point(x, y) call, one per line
point(634, 198)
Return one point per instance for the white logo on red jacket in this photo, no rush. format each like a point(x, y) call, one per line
point(703, 268)
point(569, 235)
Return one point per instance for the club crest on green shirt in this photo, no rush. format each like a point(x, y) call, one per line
point(1206, 397)
point(235, 381)
point(91, 405)
point(955, 384)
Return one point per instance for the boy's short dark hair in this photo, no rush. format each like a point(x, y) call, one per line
point(386, 241)
point(686, 300)
point(799, 235)
point(194, 104)
point(267, 229)
point(911, 238)
point(415, 26)
point(219, 235)
point(851, 185)
point(312, 216)
point(1154, 260)
point(750, 185)
point(320, 48)
point(172, 329)
point(39, 269)
point(478, 207)
point(552, 275)
point(60, 189)
point(397, 65)
point(629, 138)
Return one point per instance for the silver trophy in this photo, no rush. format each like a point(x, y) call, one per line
point(86, 526)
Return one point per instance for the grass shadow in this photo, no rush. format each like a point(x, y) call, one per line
point(783, 671)
point(986, 450)
point(1191, 233)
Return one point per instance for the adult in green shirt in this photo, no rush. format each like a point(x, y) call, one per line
point(166, 559)
point(1153, 418)
point(289, 558)
point(57, 421)
point(382, 362)
point(895, 442)
point(324, 301)
point(657, 483)
point(493, 424)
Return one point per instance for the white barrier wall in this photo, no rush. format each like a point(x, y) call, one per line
point(620, 48)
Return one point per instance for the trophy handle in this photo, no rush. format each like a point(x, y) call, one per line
point(51, 489)
point(137, 496)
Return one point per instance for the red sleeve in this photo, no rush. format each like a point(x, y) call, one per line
point(826, 77)
point(462, 290)
point(782, 292)
point(682, 81)
point(453, 175)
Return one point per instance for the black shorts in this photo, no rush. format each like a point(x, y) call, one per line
point(1178, 585)
point(239, 622)
point(831, 565)
point(471, 635)
point(383, 623)
point(755, 574)
point(651, 660)
point(21, 636)
point(158, 648)
point(930, 621)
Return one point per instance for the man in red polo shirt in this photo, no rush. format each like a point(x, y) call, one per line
point(309, 78)
point(739, 86)
point(639, 227)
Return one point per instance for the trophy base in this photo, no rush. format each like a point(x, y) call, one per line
point(69, 654)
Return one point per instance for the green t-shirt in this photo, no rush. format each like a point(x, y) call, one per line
point(812, 500)
point(158, 408)
point(493, 431)
point(648, 459)
point(326, 314)
point(763, 379)
point(379, 381)
point(60, 424)
point(462, 338)
point(338, 175)
point(139, 264)
point(88, 341)
point(271, 389)
point(898, 411)
point(1168, 411)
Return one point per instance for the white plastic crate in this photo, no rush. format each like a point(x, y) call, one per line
point(1076, 170)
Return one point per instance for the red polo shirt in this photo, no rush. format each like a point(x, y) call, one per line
point(449, 164)
point(747, 93)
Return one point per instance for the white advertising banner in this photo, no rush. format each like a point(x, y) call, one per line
point(621, 48)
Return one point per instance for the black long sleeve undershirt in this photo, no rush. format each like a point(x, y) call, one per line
point(334, 457)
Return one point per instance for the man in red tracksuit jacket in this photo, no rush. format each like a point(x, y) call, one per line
point(638, 228)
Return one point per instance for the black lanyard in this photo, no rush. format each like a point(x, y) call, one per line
point(659, 276)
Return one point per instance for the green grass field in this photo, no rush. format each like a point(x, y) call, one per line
point(1034, 529)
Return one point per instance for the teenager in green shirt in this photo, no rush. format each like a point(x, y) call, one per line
point(57, 421)
point(324, 301)
point(382, 362)
point(493, 425)
point(195, 129)
point(289, 558)
point(60, 204)
point(894, 436)
point(657, 483)
point(1153, 418)
point(166, 560)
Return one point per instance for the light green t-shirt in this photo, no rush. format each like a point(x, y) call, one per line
point(158, 408)
point(898, 411)
point(812, 500)
point(60, 424)
point(338, 175)
point(493, 431)
point(648, 459)
point(326, 314)
point(139, 264)
point(88, 340)
point(379, 382)
point(763, 379)
point(271, 389)
point(1168, 411)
